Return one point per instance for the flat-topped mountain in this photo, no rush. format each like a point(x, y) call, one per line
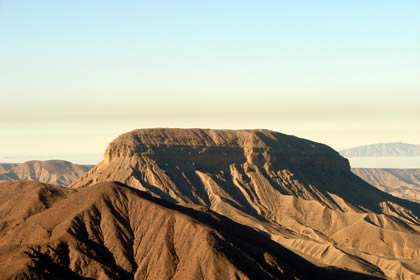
point(301, 193)
point(111, 231)
point(57, 172)
point(383, 150)
point(403, 183)
point(210, 147)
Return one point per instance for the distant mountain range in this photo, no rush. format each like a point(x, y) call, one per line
point(383, 150)
point(57, 172)
point(403, 183)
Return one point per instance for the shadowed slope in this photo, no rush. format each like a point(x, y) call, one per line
point(110, 231)
point(299, 192)
point(7, 166)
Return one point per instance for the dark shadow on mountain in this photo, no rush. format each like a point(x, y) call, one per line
point(239, 238)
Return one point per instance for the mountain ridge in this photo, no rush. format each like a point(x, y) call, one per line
point(383, 150)
point(58, 172)
point(112, 231)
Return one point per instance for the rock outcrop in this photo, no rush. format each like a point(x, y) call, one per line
point(301, 193)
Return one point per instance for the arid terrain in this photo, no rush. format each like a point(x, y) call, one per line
point(57, 172)
point(300, 193)
point(112, 231)
point(139, 140)
point(297, 210)
point(403, 183)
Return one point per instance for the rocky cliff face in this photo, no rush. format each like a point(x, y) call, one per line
point(301, 193)
point(220, 147)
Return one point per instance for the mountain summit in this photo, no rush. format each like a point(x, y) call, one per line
point(300, 193)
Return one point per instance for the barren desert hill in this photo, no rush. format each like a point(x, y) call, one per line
point(301, 193)
point(383, 150)
point(57, 172)
point(112, 231)
point(403, 183)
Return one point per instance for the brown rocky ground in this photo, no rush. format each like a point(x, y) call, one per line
point(112, 231)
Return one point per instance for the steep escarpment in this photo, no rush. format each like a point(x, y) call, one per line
point(301, 193)
point(174, 151)
point(111, 231)
point(220, 147)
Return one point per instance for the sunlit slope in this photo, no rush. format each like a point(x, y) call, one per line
point(111, 231)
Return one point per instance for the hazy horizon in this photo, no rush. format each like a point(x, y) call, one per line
point(75, 75)
point(398, 162)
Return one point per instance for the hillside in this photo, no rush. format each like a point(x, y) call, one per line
point(403, 183)
point(57, 172)
point(111, 231)
point(301, 193)
point(7, 166)
point(383, 150)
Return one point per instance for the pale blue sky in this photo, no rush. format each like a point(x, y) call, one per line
point(76, 74)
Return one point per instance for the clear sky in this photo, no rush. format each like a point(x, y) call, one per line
point(76, 74)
